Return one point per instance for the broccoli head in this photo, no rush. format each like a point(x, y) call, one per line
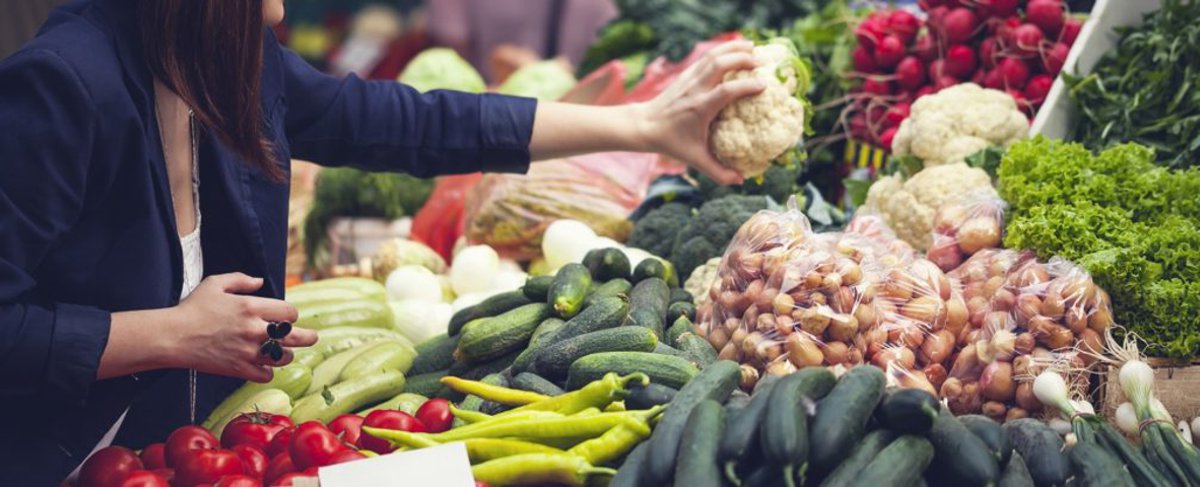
point(655, 232)
point(708, 232)
point(778, 182)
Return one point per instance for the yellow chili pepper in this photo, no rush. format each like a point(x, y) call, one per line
point(498, 394)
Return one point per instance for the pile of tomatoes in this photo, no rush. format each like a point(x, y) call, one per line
point(255, 450)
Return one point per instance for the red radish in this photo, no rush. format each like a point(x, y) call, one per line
point(876, 115)
point(1070, 31)
point(888, 136)
point(1054, 58)
point(889, 51)
point(1005, 30)
point(945, 82)
point(987, 52)
point(925, 48)
point(896, 114)
point(863, 61)
point(869, 31)
point(1047, 15)
point(935, 18)
point(1027, 39)
point(858, 127)
point(937, 69)
point(903, 24)
point(960, 61)
point(959, 25)
point(1013, 72)
point(910, 73)
point(877, 87)
point(925, 90)
point(997, 8)
point(994, 79)
point(926, 5)
point(1038, 87)
point(978, 77)
point(1019, 97)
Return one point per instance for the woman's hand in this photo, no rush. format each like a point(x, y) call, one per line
point(676, 122)
point(218, 330)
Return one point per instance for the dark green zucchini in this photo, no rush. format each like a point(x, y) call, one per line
point(963, 458)
point(664, 349)
point(680, 326)
point(698, 349)
point(696, 463)
point(542, 337)
point(488, 338)
point(765, 475)
point(992, 435)
point(648, 396)
point(680, 308)
point(604, 313)
point(528, 381)
point(629, 475)
point(1095, 467)
point(427, 384)
point(492, 306)
point(1042, 449)
point(648, 304)
point(741, 432)
point(554, 360)
point(477, 371)
point(783, 432)
point(1016, 474)
point(842, 416)
point(476, 403)
point(860, 456)
point(681, 295)
point(908, 411)
point(607, 263)
point(536, 288)
point(568, 289)
point(900, 464)
point(716, 383)
point(434, 354)
point(610, 289)
point(664, 369)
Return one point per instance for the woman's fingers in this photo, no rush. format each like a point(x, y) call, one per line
point(286, 358)
point(237, 283)
point(272, 309)
point(255, 373)
point(728, 47)
point(300, 337)
point(734, 61)
point(730, 91)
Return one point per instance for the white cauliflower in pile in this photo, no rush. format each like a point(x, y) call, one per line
point(751, 132)
point(956, 122)
point(909, 206)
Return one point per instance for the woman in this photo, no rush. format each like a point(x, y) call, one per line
point(143, 202)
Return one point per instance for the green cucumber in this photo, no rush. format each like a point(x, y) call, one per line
point(716, 383)
point(536, 288)
point(347, 397)
point(680, 326)
point(309, 357)
point(604, 313)
point(568, 289)
point(1094, 467)
point(436, 353)
point(842, 416)
point(528, 381)
point(607, 263)
point(680, 308)
point(479, 370)
point(384, 356)
point(405, 401)
point(963, 458)
point(555, 360)
point(698, 349)
point(681, 295)
point(740, 440)
point(900, 464)
point(859, 458)
point(663, 369)
point(427, 384)
point(1041, 448)
point(542, 336)
point(992, 435)
point(649, 395)
point(489, 338)
point(336, 290)
point(370, 314)
point(476, 403)
point(492, 306)
point(610, 289)
point(293, 379)
point(908, 411)
point(629, 473)
point(765, 475)
point(648, 304)
point(783, 433)
point(696, 463)
point(329, 371)
point(664, 349)
point(1016, 474)
point(655, 267)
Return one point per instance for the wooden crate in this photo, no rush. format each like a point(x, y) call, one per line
point(1176, 385)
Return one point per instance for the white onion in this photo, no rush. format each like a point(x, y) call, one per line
point(466, 300)
point(1051, 389)
point(566, 241)
point(420, 320)
point(1126, 419)
point(473, 269)
point(1137, 379)
point(414, 282)
point(1083, 407)
point(1185, 431)
point(507, 280)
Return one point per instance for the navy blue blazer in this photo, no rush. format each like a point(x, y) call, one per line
point(87, 226)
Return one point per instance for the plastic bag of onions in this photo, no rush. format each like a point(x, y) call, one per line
point(961, 229)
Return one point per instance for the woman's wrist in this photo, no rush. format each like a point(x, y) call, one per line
point(644, 136)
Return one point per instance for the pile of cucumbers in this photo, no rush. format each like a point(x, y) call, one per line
point(808, 428)
point(558, 333)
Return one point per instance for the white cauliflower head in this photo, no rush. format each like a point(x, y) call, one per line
point(751, 132)
point(909, 206)
point(946, 127)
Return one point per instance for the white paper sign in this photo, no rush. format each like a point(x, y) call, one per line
point(443, 466)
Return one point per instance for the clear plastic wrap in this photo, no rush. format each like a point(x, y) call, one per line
point(961, 229)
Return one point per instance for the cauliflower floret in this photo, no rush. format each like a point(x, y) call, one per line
point(909, 206)
point(956, 122)
point(751, 132)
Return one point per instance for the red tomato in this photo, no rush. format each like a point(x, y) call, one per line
point(280, 442)
point(278, 466)
point(207, 466)
point(255, 429)
point(253, 460)
point(108, 467)
point(313, 445)
point(387, 419)
point(286, 480)
point(167, 473)
point(348, 427)
point(145, 478)
point(185, 439)
point(239, 481)
point(480, 483)
point(435, 415)
point(346, 456)
point(152, 456)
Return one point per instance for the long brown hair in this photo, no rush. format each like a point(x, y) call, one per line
point(210, 54)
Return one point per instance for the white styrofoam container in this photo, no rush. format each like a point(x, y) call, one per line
point(1055, 118)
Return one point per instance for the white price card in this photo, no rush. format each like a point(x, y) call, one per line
point(443, 465)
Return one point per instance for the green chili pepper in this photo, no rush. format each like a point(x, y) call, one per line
point(598, 394)
point(502, 395)
point(542, 428)
point(486, 449)
point(613, 444)
point(468, 416)
point(538, 468)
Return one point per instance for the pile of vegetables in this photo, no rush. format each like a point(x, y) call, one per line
point(998, 44)
point(1143, 91)
point(688, 238)
point(908, 205)
point(1130, 223)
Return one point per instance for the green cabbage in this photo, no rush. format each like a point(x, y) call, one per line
point(441, 68)
point(544, 80)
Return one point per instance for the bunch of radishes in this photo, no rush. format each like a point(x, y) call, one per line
point(1010, 45)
